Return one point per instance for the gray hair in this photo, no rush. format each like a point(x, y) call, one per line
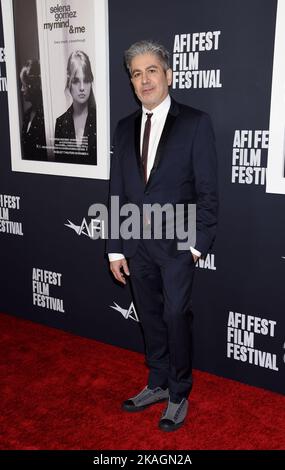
point(147, 47)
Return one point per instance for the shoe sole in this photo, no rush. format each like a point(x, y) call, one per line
point(135, 409)
point(174, 428)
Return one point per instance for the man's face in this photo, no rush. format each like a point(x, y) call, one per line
point(149, 79)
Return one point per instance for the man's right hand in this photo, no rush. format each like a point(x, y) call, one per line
point(119, 268)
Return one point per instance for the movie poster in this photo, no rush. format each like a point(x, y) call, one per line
point(276, 151)
point(58, 86)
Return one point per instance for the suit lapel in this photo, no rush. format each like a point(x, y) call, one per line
point(138, 120)
point(171, 116)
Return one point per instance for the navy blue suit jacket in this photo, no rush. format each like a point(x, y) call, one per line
point(184, 171)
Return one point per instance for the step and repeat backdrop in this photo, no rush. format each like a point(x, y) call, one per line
point(227, 60)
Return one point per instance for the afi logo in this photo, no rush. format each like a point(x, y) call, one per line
point(127, 313)
point(94, 230)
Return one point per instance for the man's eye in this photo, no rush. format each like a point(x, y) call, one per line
point(136, 75)
point(152, 70)
point(75, 80)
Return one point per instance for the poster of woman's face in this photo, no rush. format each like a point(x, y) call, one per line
point(58, 94)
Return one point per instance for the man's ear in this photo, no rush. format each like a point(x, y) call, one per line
point(169, 76)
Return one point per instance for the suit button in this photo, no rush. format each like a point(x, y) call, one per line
point(147, 193)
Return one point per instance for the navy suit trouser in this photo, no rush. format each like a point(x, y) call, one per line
point(162, 287)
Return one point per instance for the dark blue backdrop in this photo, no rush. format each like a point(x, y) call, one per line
point(249, 269)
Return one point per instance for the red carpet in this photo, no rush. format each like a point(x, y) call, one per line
point(60, 391)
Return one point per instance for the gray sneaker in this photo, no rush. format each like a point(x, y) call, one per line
point(145, 398)
point(174, 415)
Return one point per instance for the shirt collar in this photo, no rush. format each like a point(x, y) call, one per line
point(162, 108)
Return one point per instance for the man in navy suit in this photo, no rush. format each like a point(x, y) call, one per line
point(163, 153)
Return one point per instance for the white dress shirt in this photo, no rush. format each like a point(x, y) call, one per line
point(159, 115)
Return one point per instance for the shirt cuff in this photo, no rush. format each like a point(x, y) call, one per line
point(115, 256)
point(195, 252)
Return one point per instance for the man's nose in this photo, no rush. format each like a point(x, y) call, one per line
point(81, 84)
point(145, 77)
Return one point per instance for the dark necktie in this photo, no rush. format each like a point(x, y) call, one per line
point(145, 144)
